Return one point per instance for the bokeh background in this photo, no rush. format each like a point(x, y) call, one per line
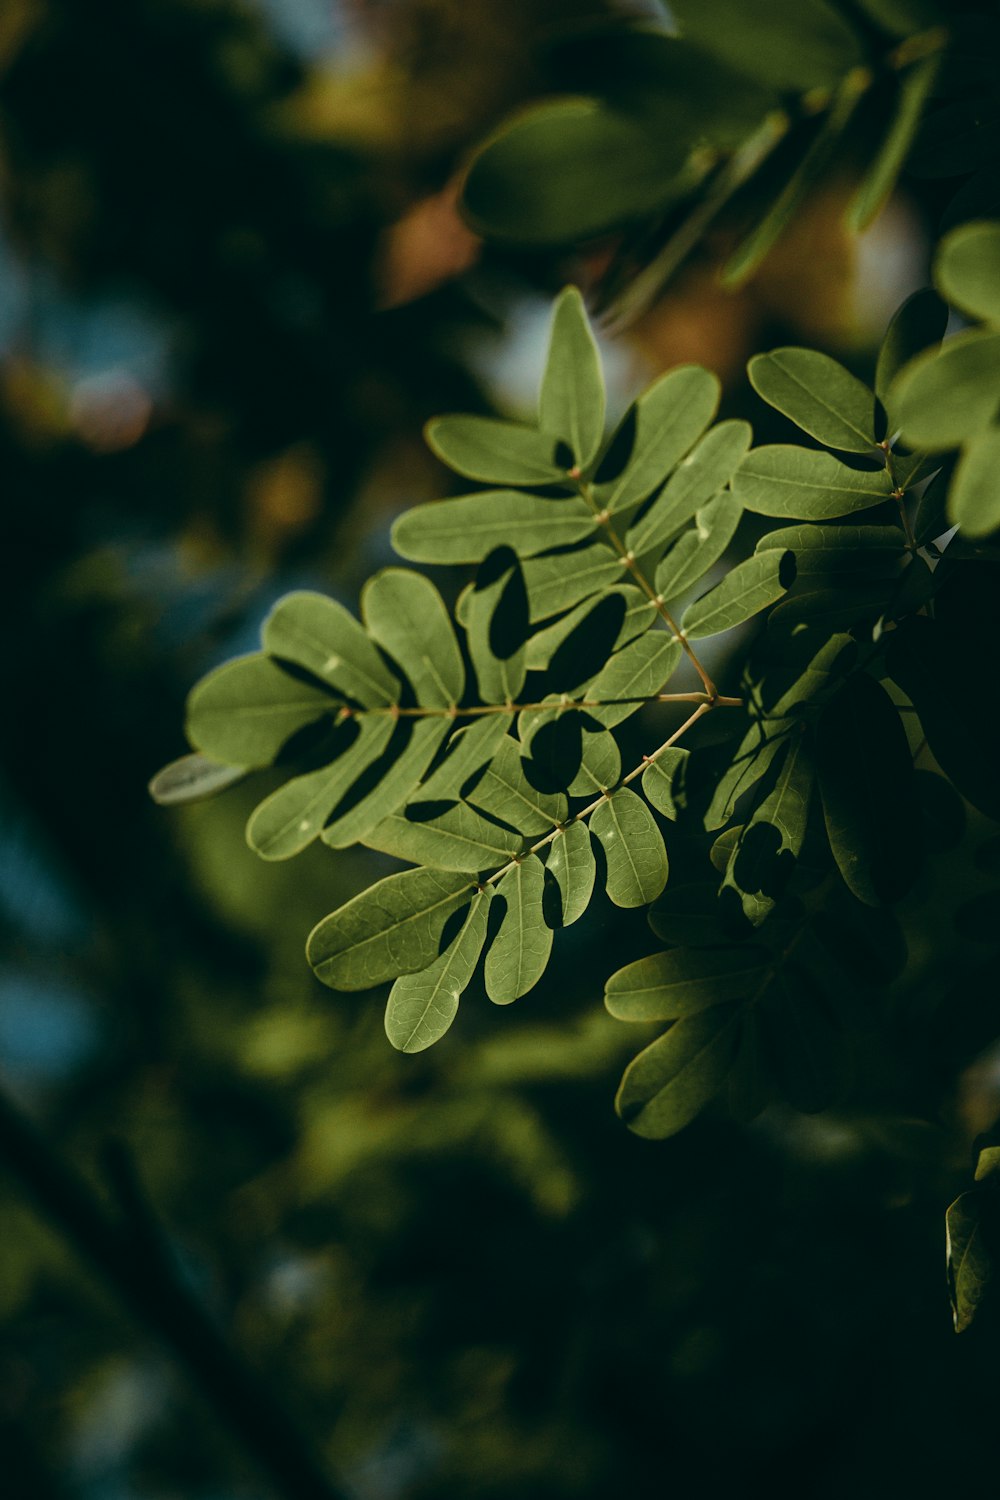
point(234, 283)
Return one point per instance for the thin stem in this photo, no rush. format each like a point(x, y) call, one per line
point(640, 296)
point(603, 519)
point(899, 495)
point(580, 817)
point(719, 700)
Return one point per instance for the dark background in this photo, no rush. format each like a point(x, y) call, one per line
point(233, 285)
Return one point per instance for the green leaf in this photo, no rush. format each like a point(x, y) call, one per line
point(769, 844)
point(564, 579)
point(970, 1266)
point(571, 401)
point(974, 497)
point(571, 862)
point(564, 750)
point(866, 783)
point(756, 751)
point(392, 928)
point(406, 615)
point(931, 518)
point(565, 171)
point(421, 1007)
point(919, 323)
point(691, 916)
point(505, 792)
point(192, 778)
point(469, 749)
point(493, 451)
point(633, 847)
point(877, 185)
point(468, 528)
point(683, 982)
point(543, 648)
point(243, 712)
point(698, 478)
point(288, 820)
point(496, 624)
point(796, 189)
point(854, 551)
point(699, 549)
point(967, 270)
point(792, 45)
point(750, 587)
point(396, 781)
point(721, 851)
point(663, 780)
point(671, 1081)
point(943, 397)
point(808, 616)
point(309, 630)
point(458, 839)
point(600, 764)
point(804, 485)
point(668, 418)
point(818, 395)
point(636, 673)
point(520, 951)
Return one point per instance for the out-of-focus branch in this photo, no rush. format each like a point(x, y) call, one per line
point(132, 1257)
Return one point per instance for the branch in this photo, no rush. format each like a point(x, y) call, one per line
point(134, 1261)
